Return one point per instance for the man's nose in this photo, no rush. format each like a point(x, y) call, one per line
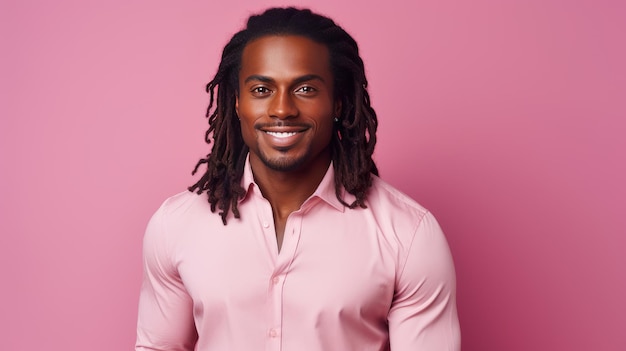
point(283, 105)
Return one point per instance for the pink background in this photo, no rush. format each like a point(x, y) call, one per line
point(505, 118)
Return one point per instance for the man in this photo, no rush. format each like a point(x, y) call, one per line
point(311, 250)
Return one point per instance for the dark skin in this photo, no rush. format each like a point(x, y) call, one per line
point(286, 108)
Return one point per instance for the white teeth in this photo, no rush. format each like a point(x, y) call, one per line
point(281, 134)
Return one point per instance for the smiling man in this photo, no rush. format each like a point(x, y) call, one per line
point(309, 249)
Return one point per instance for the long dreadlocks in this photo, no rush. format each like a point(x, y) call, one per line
point(353, 142)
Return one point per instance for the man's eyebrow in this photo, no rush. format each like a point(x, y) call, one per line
point(307, 78)
point(301, 79)
point(260, 78)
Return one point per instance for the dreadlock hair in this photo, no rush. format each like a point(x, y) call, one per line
point(353, 141)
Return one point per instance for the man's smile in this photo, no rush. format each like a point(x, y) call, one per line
point(283, 137)
point(281, 134)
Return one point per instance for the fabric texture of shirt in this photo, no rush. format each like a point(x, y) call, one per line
point(364, 279)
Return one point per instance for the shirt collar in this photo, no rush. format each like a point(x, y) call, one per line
point(325, 190)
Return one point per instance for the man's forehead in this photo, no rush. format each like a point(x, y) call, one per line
point(292, 54)
point(285, 45)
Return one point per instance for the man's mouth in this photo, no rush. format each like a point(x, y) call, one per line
point(282, 137)
point(281, 134)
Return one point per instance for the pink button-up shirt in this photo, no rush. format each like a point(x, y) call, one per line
point(379, 278)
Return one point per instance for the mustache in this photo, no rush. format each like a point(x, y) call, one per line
point(281, 124)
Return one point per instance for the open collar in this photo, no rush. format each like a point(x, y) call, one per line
point(325, 190)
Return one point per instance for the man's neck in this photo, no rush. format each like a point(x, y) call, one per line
point(287, 191)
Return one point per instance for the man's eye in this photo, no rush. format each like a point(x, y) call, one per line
point(306, 89)
point(260, 90)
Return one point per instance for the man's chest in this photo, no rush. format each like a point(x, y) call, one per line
point(347, 268)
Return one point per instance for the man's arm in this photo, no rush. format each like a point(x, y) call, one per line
point(423, 315)
point(165, 309)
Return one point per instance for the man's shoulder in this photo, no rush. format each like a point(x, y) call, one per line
point(183, 215)
point(181, 201)
point(387, 198)
point(184, 205)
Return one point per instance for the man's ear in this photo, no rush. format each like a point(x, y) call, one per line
point(337, 107)
point(237, 103)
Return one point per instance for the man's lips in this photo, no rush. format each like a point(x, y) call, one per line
point(282, 131)
point(282, 136)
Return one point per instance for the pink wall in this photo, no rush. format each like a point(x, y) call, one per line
point(506, 118)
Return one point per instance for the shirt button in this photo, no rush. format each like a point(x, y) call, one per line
point(275, 280)
point(273, 333)
point(266, 225)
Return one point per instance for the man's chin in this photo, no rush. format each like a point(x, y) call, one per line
point(283, 164)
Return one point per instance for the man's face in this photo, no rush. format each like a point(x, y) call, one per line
point(285, 102)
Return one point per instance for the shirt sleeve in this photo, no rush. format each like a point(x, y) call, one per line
point(165, 319)
point(423, 315)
